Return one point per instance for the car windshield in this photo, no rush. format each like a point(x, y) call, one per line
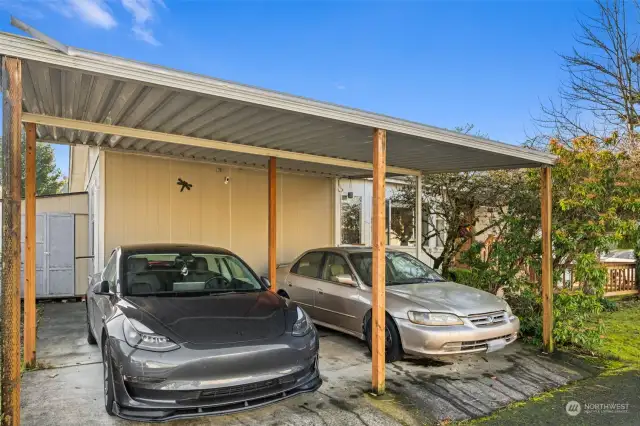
point(401, 268)
point(186, 274)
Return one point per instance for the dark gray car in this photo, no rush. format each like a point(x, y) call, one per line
point(191, 330)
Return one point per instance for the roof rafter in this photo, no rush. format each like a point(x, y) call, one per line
point(88, 126)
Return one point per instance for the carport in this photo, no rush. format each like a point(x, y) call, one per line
point(72, 96)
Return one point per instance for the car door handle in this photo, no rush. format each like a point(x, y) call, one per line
point(320, 291)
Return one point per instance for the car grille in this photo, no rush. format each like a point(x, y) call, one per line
point(476, 345)
point(224, 394)
point(489, 319)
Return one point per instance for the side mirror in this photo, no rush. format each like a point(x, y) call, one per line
point(266, 282)
point(103, 288)
point(346, 279)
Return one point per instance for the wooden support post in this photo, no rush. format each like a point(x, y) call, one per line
point(272, 223)
point(11, 186)
point(29, 333)
point(378, 262)
point(418, 217)
point(547, 268)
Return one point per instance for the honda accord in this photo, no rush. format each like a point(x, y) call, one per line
point(426, 314)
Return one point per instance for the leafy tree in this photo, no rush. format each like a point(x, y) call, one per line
point(49, 179)
point(596, 204)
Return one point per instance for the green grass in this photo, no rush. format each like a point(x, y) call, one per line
point(621, 340)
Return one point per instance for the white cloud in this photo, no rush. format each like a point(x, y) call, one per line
point(143, 12)
point(340, 86)
point(145, 35)
point(94, 12)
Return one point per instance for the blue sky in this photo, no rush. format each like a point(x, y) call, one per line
point(436, 62)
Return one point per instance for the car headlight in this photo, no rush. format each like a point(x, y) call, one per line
point(139, 336)
point(303, 323)
point(431, 318)
point(510, 313)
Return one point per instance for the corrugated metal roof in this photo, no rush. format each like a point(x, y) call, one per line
point(98, 88)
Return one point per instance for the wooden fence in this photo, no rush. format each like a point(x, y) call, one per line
point(621, 279)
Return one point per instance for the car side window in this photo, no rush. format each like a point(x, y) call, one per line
point(309, 265)
point(335, 265)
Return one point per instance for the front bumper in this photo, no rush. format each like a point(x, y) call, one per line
point(420, 340)
point(187, 383)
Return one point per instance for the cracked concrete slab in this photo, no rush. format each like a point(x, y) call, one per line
point(419, 391)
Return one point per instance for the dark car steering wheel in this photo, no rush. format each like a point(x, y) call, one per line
point(226, 282)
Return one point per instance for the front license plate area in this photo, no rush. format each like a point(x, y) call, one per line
point(496, 345)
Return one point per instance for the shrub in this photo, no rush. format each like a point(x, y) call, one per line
point(460, 275)
point(573, 315)
point(590, 273)
point(608, 305)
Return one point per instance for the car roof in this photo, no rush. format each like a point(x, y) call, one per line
point(350, 249)
point(172, 247)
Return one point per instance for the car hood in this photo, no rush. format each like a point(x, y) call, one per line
point(448, 297)
point(216, 319)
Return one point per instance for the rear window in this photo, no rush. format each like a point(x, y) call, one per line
point(179, 273)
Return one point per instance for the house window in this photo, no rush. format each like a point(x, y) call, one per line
point(400, 225)
point(440, 233)
point(350, 219)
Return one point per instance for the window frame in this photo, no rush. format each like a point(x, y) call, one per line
point(319, 274)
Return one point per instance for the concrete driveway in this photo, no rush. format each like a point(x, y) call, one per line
point(419, 391)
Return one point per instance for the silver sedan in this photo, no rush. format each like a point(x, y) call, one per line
point(426, 315)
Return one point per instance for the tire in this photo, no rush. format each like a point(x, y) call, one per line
point(109, 397)
point(393, 345)
point(90, 338)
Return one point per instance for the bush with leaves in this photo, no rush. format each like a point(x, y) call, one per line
point(573, 317)
point(590, 274)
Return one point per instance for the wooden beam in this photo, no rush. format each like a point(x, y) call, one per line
point(130, 132)
point(272, 223)
point(29, 333)
point(378, 262)
point(547, 268)
point(418, 217)
point(11, 186)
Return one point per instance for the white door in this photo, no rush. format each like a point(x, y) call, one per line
point(55, 255)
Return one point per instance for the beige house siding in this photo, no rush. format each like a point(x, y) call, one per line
point(143, 204)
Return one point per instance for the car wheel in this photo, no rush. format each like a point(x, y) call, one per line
point(90, 338)
point(107, 377)
point(393, 346)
